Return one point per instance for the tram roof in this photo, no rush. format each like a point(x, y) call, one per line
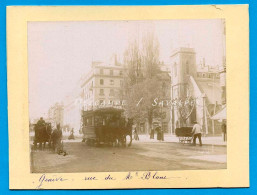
point(109, 110)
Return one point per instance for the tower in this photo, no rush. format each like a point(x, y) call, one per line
point(183, 65)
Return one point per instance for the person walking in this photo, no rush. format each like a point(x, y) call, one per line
point(197, 133)
point(224, 131)
point(136, 137)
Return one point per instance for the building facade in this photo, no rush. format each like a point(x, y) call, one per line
point(55, 114)
point(196, 91)
point(103, 86)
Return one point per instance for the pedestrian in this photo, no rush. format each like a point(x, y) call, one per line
point(159, 133)
point(152, 134)
point(71, 136)
point(197, 133)
point(136, 137)
point(162, 135)
point(224, 130)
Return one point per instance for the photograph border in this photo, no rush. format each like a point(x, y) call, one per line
point(237, 30)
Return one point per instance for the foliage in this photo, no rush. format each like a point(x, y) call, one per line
point(142, 84)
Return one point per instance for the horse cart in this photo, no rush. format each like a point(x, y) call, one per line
point(184, 134)
point(42, 135)
point(106, 126)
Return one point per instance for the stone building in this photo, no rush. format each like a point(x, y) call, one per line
point(102, 86)
point(199, 87)
point(55, 115)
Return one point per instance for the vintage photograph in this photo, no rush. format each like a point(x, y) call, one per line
point(120, 96)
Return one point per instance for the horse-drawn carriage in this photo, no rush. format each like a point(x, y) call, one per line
point(44, 134)
point(184, 134)
point(106, 126)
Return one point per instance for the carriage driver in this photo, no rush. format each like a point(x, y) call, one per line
point(41, 122)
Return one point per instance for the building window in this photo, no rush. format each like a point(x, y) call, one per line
point(111, 72)
point(203, 75)
point(187, 67)
point(175, 69)
point(111, 82)
point(101, 81)
point(101, 91)
point(121, 73)
point(101, 71)
point(111, 92)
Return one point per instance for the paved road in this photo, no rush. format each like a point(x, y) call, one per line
point(141, 156)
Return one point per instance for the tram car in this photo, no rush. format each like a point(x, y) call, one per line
point(106, 126)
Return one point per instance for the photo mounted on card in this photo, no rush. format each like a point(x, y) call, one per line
point(105, 97)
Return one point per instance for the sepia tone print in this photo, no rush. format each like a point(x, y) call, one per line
point(115, 96)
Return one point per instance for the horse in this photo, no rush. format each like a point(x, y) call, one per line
point(127, 131)
point(114, 133)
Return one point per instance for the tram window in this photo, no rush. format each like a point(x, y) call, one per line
point(89, 121)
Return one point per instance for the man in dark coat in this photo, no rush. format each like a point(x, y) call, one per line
point(224, 130)
point(159, 133)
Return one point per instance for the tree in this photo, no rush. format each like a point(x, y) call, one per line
point(142, 84)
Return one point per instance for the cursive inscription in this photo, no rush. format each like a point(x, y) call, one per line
point(46, 179)
point(90, 178)
point(150, 175)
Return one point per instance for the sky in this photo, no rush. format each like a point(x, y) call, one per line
point(60, 52)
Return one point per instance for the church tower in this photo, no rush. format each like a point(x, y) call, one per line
point(183, 65)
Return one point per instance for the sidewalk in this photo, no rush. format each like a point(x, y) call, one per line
point(217, 140)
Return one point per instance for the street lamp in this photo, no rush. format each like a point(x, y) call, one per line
point(203, 96)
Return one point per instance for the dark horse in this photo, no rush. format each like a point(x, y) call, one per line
point(127, 131)
point(42, 134)
point(115, 132)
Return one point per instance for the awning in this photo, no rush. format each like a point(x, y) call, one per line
point(220, 115)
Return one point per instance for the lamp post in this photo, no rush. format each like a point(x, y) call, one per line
point(204, 125)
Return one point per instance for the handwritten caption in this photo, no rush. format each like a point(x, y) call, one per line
point(45, 179)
